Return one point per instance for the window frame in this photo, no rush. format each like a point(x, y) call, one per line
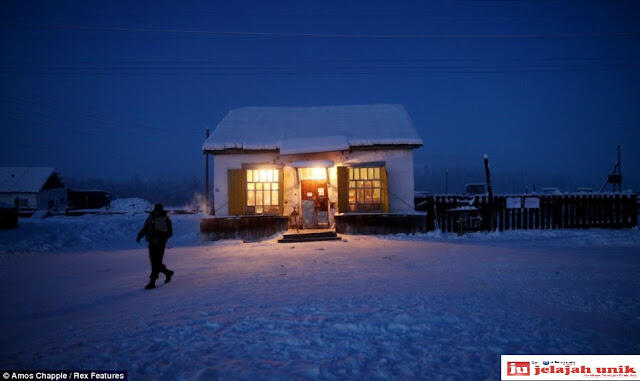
point(256, 191)
point(365, 183)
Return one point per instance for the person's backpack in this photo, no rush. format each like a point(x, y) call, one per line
point(161, 225)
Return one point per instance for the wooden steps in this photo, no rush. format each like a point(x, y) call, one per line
point(309, 237)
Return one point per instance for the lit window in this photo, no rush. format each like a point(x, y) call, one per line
point(262, 191)
point(365, 189)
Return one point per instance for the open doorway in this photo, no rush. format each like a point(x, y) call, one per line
point(314, 197)
point(315, 204)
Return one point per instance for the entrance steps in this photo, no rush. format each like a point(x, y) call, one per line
point(309, 236)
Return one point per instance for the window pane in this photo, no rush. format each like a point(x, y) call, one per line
point(360, 196)
point(259, 209)
point(356, 173)
point(259, 198)
point(263, 175)
point(352, 196)
point(267, 197)
point(274, 186)
point(360, 184)
point(269, 175)
point(251, 186)
point(367, 184)
point(363, 173)
point(275, 175)
point(376, 195)
point(376, 184)
point(274, 197)
point(352, 184)
point(249, 175)
point(350, 173)
point(259, 186)
point(367, 196)
point(370, 173)
point(376, 173)
point(266, 186)
point(251, 198)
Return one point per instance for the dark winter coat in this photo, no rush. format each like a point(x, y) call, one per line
point(157, 228)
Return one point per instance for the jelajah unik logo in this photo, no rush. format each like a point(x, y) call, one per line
point(518, 368)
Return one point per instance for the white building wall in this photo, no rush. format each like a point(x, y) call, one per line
point(57, 196)
point(9, 198)
point(399, 164)
point(221, 163)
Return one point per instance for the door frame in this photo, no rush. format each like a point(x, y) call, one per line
point(300, 199)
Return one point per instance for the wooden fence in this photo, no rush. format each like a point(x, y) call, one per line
point(531, 211)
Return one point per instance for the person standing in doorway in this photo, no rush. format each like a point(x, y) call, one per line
point(157, 230)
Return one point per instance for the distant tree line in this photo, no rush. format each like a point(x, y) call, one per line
point(170, 192)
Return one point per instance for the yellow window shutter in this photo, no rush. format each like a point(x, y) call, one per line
point(343, 189)
point(385, 190)
point(281, 190)
point(237, 184)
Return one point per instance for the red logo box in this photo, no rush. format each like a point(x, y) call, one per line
point(518, 368)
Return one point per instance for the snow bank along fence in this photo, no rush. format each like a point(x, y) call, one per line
point(381, 223)
point(531, 211)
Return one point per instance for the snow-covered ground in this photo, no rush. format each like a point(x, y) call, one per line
point(430, 306)
point(90, 232)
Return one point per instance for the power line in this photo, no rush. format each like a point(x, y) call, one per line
point(318, 72)
point(533, 36)
point(336, 60)
point(336, 67)
point(93, 153)
point(88, 116)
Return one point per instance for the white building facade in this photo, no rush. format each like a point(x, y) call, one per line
point(313, 162)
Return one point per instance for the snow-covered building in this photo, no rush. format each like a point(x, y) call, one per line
point(32, 188)
point(314, 162)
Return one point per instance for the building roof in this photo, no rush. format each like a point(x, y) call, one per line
point(24, 179)
point(313, 129)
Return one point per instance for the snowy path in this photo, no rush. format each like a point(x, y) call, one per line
point(364, 308)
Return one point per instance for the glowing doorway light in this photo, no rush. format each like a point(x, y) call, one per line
point(313, 173)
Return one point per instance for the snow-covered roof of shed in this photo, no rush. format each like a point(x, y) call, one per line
point(300, 129)
point(24, 179)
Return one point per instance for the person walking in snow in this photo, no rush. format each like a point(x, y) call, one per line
point(157, 230)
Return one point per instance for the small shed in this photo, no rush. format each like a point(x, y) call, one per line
point(31, 188)
point(79, 199)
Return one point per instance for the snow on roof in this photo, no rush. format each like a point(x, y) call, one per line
point(24, 179)
point(313, 129)
point(313, 144)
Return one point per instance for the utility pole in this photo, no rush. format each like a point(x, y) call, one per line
point(619, 170)
point(206, 177)
point(487, 174)
point(615, 176)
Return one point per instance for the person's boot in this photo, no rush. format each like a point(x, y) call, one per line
point(168, 276)
point(150, 285)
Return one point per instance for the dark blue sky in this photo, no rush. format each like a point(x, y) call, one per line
point(110, 89)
